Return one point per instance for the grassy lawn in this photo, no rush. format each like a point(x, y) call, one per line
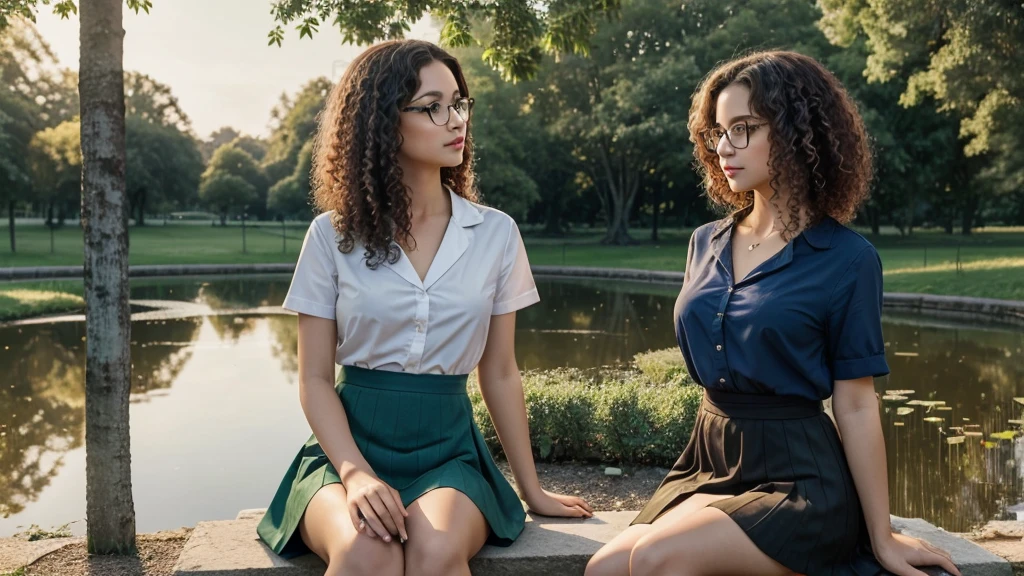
point(992, 261)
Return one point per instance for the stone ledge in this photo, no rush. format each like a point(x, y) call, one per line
point(547, 546)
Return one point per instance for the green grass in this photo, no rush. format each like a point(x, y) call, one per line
point(992, 260)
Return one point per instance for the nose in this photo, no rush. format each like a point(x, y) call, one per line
point(724, 148)
point(455, 122)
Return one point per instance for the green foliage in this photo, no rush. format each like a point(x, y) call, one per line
point(521, 31)
point(612, 416)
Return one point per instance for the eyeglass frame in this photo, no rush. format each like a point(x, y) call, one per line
point(748, 127)
point(450, 107)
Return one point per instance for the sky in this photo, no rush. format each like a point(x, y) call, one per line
point(214, 56)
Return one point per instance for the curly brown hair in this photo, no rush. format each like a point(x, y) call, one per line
point(819, 149)
point(355, 160)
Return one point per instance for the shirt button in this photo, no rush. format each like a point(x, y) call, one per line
point(720, 314)
point(730, 288)
point(718, 347)
point(721, 380)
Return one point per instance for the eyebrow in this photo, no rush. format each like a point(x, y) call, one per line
point(737, 119)
point(435, 94)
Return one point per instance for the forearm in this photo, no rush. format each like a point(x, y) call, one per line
point(864, 446)
point(503, 396)
point(327, 419)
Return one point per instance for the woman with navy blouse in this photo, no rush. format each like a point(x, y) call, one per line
point(780, 309)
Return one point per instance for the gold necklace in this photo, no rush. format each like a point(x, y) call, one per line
point(750, 247)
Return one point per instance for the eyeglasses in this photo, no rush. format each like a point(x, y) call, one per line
point(441, 114)
point(738, 136)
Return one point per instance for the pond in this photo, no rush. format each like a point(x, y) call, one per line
point(215, 417)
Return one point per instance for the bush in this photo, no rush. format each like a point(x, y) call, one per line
point(640, 416)
point(663, 366)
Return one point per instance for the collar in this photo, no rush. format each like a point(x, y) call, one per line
point(818, 236)
point(463, 211)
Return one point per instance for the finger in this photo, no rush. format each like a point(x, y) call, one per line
point(383, 514)
point(395, 513)
point(586, 513)
point(583, 504)
point(947, 565)
point(573, 511)
point(372, 520)
point(398, 500)
point(359, 523)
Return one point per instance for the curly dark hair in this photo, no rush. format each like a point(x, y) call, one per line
point(819, 149)
point(355, 159)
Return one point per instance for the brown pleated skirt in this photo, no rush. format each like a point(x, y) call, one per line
point(781, 460)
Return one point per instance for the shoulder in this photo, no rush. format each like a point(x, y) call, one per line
point(486, 222)
point(850, 246)
point(704, 233)
point(322, 225)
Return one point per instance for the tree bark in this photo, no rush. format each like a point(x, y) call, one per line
point(109, 505)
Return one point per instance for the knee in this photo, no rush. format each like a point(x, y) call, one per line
point(604, 564)
point(366, 556)
point(433, 555)
point(651, 557)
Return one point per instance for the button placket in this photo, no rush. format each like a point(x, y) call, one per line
point(718, 335)
point(420, 326)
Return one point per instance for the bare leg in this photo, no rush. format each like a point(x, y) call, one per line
point(446, 529)
point(326, 528)
point(704, 543)
point(613, 558)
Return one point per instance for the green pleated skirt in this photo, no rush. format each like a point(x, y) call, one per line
point(417, 433)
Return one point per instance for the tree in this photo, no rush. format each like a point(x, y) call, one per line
point(153, 102)
point(290, 196)
point(223, 192)
point(223, 135)
point(56, 162)
point(225, 195)
point(109, 506)
point(163, 167)
point(964, 56)
point(294, 122)
point(36, 97)
point(522, 31)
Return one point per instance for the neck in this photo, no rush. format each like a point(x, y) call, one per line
point(429, 197)
point(765, 214)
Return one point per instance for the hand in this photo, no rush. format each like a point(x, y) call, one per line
point(899, 554)
point(549, 504)
point(376, 508)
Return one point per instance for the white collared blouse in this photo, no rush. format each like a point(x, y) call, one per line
point(390, 320)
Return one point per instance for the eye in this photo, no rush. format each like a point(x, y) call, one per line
point(739, 129)
point(461, 104)
point(434, 107)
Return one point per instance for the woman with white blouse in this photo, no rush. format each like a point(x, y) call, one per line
point(408, 285)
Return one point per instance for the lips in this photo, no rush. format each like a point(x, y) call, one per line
point(457, 142)
point(731, 171)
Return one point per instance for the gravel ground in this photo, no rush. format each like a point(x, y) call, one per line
point(159, 551)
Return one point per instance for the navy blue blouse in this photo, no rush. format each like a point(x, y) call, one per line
point(807, 316)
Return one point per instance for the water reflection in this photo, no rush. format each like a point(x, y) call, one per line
point(42, 400)
point(216, 438)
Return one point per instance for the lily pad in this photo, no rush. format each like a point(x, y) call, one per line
point(903, 411)
point(989, 445)
point(926, 403)
point(934, 419)
point(1017, 422)
point(969, 433)
point(1006, 435)
point(893, 398)
point(899, 392)
point(955, 439)
point(897, 423)
point(1019, 400)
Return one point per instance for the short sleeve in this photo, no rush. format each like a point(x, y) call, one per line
point(314, 288)
point(516, 288)
point(856, 348)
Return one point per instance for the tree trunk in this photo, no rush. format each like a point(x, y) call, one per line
point(223, 218)
point(654, 223)
point(971, 204)
point(10, 224)
point(110, 510)
point(141, 219)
